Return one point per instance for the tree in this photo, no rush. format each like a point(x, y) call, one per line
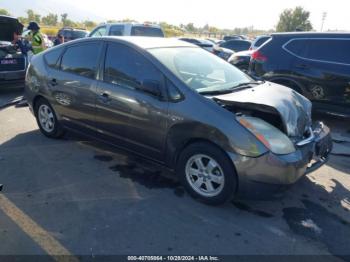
point(23, 19)
point(4, 12)
point(50, 19)
point(67, 22)
point(33, 17)
point(190, 27)
point(296, 19)
point(64, 18)
point(89, 24)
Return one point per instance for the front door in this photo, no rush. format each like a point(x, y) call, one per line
point(128, 113)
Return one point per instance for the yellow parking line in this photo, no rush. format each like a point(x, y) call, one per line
point(35, 231)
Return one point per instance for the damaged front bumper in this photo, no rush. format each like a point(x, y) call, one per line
point(270, 173)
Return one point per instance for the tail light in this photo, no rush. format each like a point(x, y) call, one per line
point(258, 56)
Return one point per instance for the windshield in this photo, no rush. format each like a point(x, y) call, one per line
point(200, 70)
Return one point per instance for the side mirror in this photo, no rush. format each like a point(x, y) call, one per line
point(152, 87)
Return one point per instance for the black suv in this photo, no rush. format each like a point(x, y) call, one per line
point(72, 34)
point(316, 65)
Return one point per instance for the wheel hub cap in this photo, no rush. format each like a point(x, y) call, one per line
point(204, 175)
point(46, 118)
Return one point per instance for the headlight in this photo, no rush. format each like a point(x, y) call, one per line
point(269, 135)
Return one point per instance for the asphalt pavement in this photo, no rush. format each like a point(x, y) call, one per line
point(76, 196)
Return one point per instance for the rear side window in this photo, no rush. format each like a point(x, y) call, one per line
point(324, 50)
point(127, 68)
point(334, 50)
point(81, 59)
point(51, 58)
point(116, 30)
point(297, 47)
point(146, 31)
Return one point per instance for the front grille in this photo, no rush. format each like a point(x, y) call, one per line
point(20, 65)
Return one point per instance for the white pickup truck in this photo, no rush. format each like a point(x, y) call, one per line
point(127, 29)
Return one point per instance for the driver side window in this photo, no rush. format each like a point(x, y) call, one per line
point(127, 68)
point(101, 31)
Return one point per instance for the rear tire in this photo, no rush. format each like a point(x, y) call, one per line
point(207, 173)
point(47, 120)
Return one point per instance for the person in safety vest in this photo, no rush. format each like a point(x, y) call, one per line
point(36, 38)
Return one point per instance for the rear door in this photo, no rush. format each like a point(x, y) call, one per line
point(73, 85)
point(326, 63)
point(128, 114)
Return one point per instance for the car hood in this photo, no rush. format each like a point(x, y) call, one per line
point(8, 25)
point(294, 109)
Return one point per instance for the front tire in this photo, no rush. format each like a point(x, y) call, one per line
point(207, 173)
point(47, 120)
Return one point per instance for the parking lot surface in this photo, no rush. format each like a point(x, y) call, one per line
point(76, 196)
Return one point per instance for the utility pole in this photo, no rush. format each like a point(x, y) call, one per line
point(324, 15)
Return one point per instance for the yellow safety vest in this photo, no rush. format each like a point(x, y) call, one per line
point(37, 42)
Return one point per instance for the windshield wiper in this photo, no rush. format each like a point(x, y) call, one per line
point(246, 85)
point(231, 89)
point(216, 92)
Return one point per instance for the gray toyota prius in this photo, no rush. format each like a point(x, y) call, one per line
point(224, 134)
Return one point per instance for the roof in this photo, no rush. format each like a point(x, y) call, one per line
point(313, 34)
point(151, 42)
point(132, 23)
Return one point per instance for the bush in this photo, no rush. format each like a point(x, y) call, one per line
point(50, 31)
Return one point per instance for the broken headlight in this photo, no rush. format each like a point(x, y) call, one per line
point(269, 135)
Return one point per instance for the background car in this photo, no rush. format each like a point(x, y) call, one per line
point(232, 37)
point(72, 33)
point(215, 41)
point(205, 44)
point(127, 29)
point(258, 41)
point(223, 53)
point(241, 60)
point(227, 48)
point(316, 65)
point(223, 133)
point(12, 62)
point(236, 45)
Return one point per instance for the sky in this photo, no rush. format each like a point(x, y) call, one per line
point(261, 14)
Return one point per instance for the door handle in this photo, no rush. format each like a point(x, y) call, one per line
point(105, 97)
point(53, 82)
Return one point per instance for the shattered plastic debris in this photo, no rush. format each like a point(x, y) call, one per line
point(309, 223)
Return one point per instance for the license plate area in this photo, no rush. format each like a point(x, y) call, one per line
point(8, 62)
